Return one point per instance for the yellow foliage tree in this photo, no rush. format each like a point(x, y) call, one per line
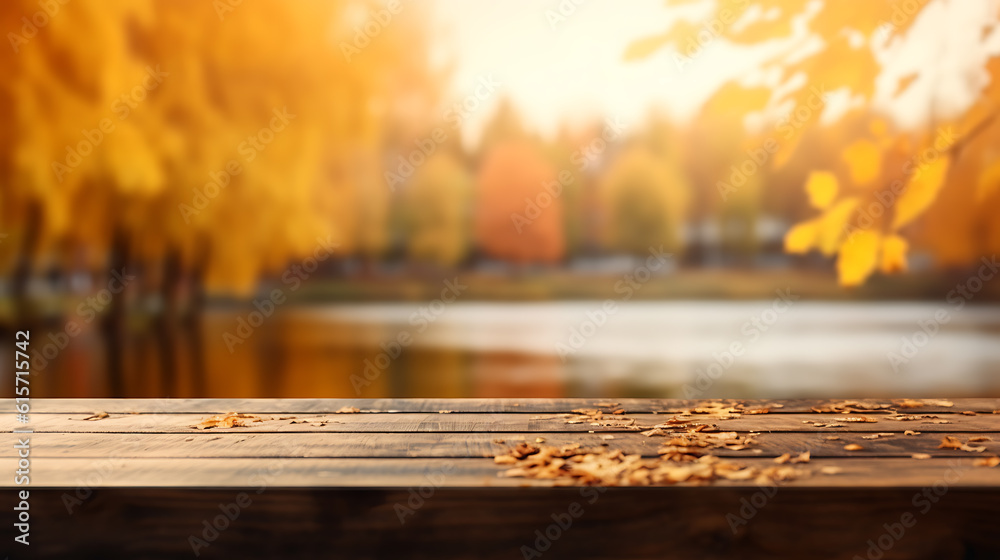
point(233, 136)
point(880, 194)
point(437, 207)
point(645, 201)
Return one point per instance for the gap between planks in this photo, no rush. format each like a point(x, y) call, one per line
point(496, 423)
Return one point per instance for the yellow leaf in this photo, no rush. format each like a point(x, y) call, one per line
point(858, 257)
point(802, 237)
point(921, 191)
point(833, 225)
point(989, 181)
point(894, 250)
point(822, 188)
point(864, 160)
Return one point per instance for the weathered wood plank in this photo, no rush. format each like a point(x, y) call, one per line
point(326, 406)
point(497, 423)
point(663, 523)
point(392, 472)
point(453, 445)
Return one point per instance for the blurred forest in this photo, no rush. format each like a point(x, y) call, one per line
point(159, 148)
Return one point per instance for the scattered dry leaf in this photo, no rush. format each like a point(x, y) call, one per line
point(831, 470)
point(97, 416)
point(850, 406)
point(832, 438)
point(944, 403)
point(853, 447)
point(949, 442)
point(921, 456)
point(969, 412)
point(347, 410)
point(783, 458)
point(974, 439)
point(911, 433)
point(986, 462)
point(539, 440)
point(228, 420)
point(573, 465)
point(857, 419)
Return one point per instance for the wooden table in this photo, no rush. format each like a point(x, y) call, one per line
point(418, 479)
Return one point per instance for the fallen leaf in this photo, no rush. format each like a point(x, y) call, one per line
point(949, 442)
point(853, 447)
point(783, 458)
point(831, 470)
point(347, 410)
point(986, 462)
point(539, 440)
point(832, 438)
point(228, 420)
point(979, 438)
point(856, 419)
point(969, 412)
point(97, 416)
point(921, 456)
point(911, 433)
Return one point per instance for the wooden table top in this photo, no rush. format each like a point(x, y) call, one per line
point(395, 443)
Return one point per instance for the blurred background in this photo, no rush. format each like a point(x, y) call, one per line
point(465, 198)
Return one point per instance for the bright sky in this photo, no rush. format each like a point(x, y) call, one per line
point(573, 69)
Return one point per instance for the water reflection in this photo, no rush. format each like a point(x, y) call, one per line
point(505, 350)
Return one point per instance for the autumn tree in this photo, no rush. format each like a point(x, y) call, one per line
point(519, 210)
point(436, 208)
point(644, 198)
point(204, 143)
point(886, 191)
point(230, 138)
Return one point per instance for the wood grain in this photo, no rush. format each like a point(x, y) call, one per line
point(455, 445)
point(485, 523)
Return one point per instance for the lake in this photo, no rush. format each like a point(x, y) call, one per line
point(746, 349)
